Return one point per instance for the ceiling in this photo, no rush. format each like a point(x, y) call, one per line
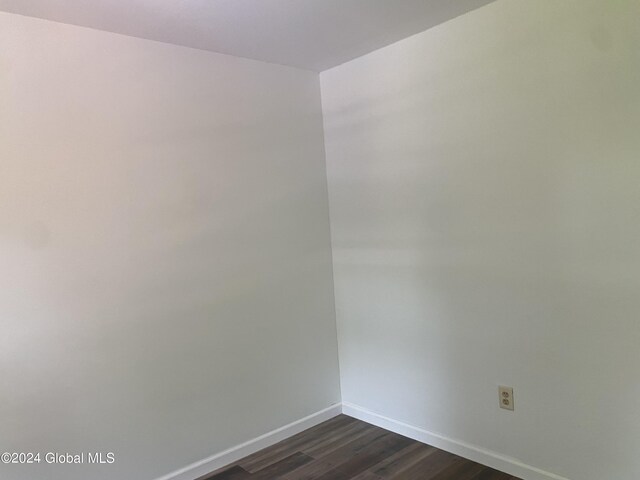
point(311, 34)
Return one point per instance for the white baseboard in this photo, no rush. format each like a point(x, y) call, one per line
point(233, 454)
point(491, 459)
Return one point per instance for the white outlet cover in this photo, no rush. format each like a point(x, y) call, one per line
point(505, 395)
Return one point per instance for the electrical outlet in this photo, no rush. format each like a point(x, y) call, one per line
point(506, 397)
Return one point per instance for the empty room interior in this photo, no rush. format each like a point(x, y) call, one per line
point(319, 239)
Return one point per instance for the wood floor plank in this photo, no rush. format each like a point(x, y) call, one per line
point(329, 444)
point(281, 450)
point(491, 474)
point(282, 467)
point(369, 456)
point(368, 476)
point(465, 470)
point(375, 453)
point(322, 465)
point(402, 460)
point(428, 467)
point(347, 449)
point(233, 473)
point(309, 471)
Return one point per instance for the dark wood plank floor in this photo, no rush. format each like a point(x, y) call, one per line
point(347, 449)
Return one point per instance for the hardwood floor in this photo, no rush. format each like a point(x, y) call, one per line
point(344, 448)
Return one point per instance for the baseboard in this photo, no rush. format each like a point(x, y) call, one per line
point(492, 459)
point(503, 463)
point(233, 454)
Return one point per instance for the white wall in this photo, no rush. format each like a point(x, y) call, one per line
point(165, 264)
point(484, 181)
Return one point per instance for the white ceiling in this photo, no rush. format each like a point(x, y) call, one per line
point(312, 34)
